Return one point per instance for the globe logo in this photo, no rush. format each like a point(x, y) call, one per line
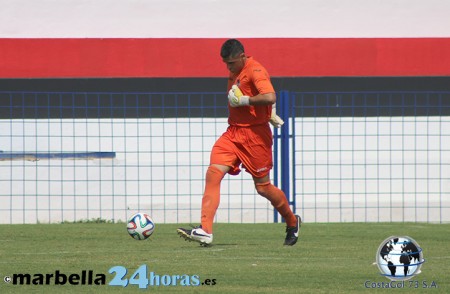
point(399, 258)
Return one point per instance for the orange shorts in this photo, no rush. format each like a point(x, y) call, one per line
point(249, 146)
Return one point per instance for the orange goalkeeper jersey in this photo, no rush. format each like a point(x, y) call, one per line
point(252, 80)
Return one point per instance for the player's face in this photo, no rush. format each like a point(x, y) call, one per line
point(235, 63)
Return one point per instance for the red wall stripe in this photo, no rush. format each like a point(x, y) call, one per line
point(54, 58)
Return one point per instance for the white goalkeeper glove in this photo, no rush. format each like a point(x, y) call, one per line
point(236, 98)
point(275, 120)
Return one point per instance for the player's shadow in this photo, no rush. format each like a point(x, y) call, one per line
point(232, 244)
point(221, 245)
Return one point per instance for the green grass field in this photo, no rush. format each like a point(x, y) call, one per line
point(245, 258)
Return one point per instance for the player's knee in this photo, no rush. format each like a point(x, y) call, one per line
point(214, 174)
point(263, 188)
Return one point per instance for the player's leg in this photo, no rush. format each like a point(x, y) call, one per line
point(256, 156)
point(257, 159)
point(276, 197)
point(223, 160)
point(210, 203)
point(279, 201)
point(211, 195)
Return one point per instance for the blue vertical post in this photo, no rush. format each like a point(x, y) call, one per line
point(276, 137)
point(283, 110)
point(293, 175)
point(285, 150)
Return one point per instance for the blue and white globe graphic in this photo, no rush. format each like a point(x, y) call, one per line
point(399, 258)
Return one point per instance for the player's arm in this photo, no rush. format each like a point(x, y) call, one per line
point(261, 80)
point(267, 99)
point(263, 99)
point(236, 98)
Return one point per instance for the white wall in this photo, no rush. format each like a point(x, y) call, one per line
point(159, 168)
point(223, 19)
point(348, 169)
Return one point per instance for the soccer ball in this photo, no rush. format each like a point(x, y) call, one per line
point(140, 226)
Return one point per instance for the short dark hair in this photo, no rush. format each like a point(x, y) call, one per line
point(231, 48)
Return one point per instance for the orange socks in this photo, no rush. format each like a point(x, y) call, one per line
point(278, 200)
point(211, 197)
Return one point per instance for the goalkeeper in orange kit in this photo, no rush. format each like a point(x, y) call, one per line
point(246, 143)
